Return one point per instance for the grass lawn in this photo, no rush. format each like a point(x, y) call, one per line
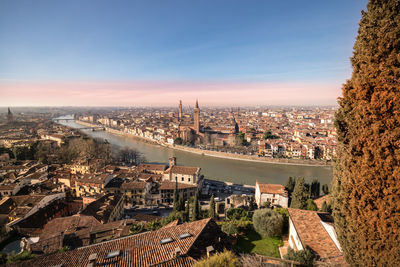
point(252, 242)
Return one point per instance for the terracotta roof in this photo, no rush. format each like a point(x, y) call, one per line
point(319, 201)
point(93, 179)
point(168, 185)
point(152, 167)
point(102, 208)
point(152, 176)
point(272, 189)
point(68, 224)
point(183, 170)
point(141, 217)
point(137, 250)
point(312, 234)
point(133, 185)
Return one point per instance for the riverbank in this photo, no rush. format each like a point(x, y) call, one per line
point(217, 154)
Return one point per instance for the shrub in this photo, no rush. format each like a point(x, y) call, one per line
point(311, 205)
point(285, 215)
point(224, 259)
point(237, 214)
point(305, 257)
point(154, 225)
point(230, 228)
point(25, 255)
point(136, 228)
point(268, 222)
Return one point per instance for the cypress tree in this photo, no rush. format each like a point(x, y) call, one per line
point(366, 185)
point(211, 210)
point(325, 189)
point(300, 195)
point(315, 188)
point(176, 197)
point(187, 211)
point(196, 208)
point(290, 183)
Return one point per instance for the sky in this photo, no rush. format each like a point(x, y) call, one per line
point(156, 52)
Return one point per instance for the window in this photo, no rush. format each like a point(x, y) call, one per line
point(112, 254)
point(184, 235)
point(189, 179)
point(166, 240)
point(182, 179)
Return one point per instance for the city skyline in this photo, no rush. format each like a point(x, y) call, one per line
point(130, 53)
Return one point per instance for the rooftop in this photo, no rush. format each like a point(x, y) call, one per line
point(312, 233)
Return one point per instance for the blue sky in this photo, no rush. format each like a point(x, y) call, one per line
point(207, 41)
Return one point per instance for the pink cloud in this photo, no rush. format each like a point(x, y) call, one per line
point(145, 93)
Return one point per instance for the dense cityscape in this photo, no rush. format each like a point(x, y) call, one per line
point(290, 133)
point(199, 133)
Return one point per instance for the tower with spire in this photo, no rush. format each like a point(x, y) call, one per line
point(196, 117)
point(180, 110)
point(9, 116)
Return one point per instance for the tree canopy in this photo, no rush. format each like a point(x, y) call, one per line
point(366, 189)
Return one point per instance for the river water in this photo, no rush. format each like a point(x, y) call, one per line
point(230, 170)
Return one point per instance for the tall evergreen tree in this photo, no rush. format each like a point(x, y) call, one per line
point(315, 188)
point(196, 208)
point(300, 195)
point(325, 189)
point(290, 183)
point(187, 211)
point(211, 210)
point(366, 185)
point(176, 196)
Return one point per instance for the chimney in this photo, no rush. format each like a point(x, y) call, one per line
point(172, 161)
point(177, 252)
point(209, 249)
point(92, 259)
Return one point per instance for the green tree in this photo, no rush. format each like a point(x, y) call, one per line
point(237, 214)
point(367, 175)
point(315, 188)
point(176, 196)
point(269, 135)
point(187, 211)
point(230, 228)
point(311, 205)
point(285, 215)
point(154, 225)
point(268, 222)
point(211, 210)
point(136, 228)
point(300, 195)
point(196, 208)
point(325, 189)
point(290, 183)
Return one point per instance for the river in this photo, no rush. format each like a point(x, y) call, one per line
point(230, 170)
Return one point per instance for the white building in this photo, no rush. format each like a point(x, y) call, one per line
point(273, 193)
